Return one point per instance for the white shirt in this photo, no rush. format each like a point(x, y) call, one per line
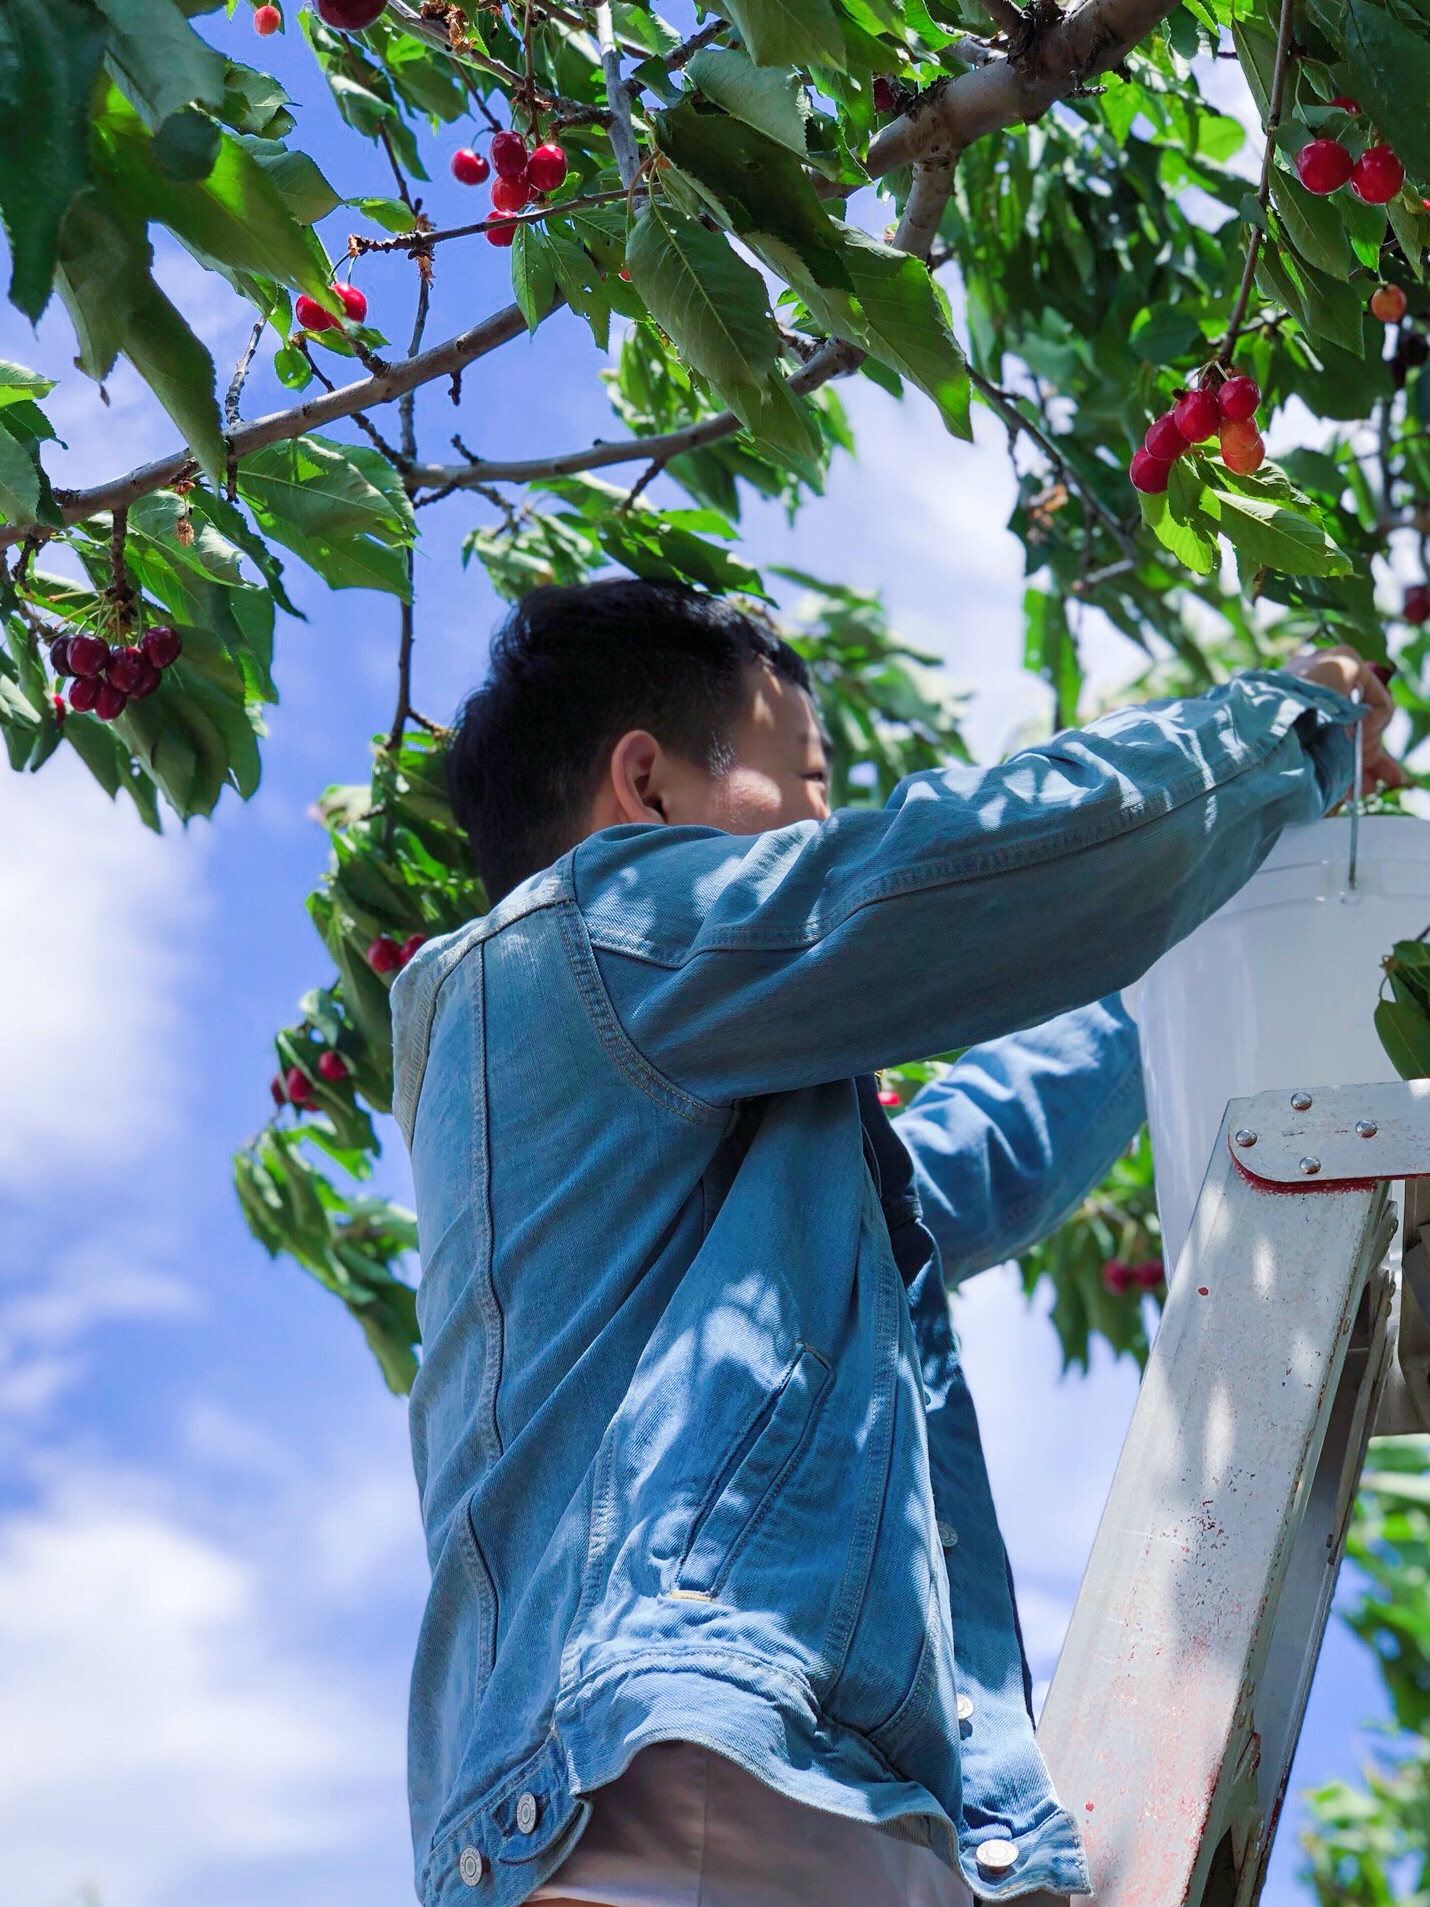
point(684, 1827)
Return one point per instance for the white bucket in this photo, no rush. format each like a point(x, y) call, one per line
point(1278, 988)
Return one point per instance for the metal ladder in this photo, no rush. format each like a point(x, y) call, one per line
point(1173, 1717)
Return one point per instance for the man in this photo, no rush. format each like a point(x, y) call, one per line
point(720, 1613)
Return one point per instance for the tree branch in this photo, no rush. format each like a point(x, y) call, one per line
point(441, 361)
point(1010, 92)
point(834, 358)
point(1005, 16)
point(1263, 193)
point(622, 134)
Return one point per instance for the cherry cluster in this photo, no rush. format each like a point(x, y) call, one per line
point(1119, 1278)
point(1226, 411)
point(315, 317)
point(521, 176)
point(294, 1088)
point(349, 16)
point(106, 679)
point(386, 955)
point(1324, 166)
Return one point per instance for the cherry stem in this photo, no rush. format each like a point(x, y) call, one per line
point(415, 242)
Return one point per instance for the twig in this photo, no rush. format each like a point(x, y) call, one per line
point(121, 591)
point(1001, 402)
point(407, 403)
point(360, 418)
point(441, 361)
point(1263, 191)
point(679, 56)
point(240, 374)
point(622, 134)
point(385, 140)
point(835, 358)
point(642, 482)
point(404, 662)
point(415, 242)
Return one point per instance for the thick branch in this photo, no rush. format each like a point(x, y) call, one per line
point(441, 361)
point(622, 136)
point(1010, 92)
point(1004, 15)
point(1263, 192)
point(832, 359)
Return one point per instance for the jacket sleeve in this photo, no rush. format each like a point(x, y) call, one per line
point(1016, 1134)
point(976, 903)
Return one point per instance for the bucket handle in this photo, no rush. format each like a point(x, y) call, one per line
point(1359, 772)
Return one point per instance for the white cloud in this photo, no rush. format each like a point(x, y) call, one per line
point(153, 1726)
point(98, 914)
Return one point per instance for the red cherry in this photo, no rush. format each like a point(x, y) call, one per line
point(353, 301)
point(1148, 1274)
point(1346, 103)
point(508, 150)
point(1238, 398)
point(1241, 447)
point(1149, 474)
point(312, 316)
point(1323, 165)
point(146, 683)
point(1416, 607)
point(546, 168)
point(126, 668)
point(1387, 302)
point(1117, 1277)
point(887, 1096)
point(1197, 415)
point(509, 195)
point(86, 655)
point(349, 16)
point(1163, 440)
point(384, 955)
point(110, 702)
point(59, 702)
point(883, 94)
point(468, 167)
point(298, 1086)
point(266, 20)
point(275, 1086)
point(162, 644)
point(1377, 175)
point(84, 691)
point(59, 656)
point(501, 234)
point(410, 946)
point(333, 1067)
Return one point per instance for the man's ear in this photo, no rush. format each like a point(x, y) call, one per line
point(635, 783)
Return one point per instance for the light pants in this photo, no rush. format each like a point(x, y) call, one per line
point(684, 1827)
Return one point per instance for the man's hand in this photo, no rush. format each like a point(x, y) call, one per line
point(1345, 671)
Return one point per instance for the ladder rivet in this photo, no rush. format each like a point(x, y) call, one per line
point(1300, 1102)
point(1310, 1167)
point(1245, 1136)
point(1367, 1128)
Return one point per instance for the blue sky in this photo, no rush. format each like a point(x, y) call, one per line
point(210, 1563)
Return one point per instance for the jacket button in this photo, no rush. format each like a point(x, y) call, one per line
point(965, 1708)
point(996, 1857)
point(471, 1866)
point(525, 1813)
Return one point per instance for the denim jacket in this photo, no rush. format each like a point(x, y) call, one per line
point(696, 1456)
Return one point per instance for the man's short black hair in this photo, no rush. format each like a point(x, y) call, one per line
point(572, 670)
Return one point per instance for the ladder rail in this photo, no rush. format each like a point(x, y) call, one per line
point(1173, 1716)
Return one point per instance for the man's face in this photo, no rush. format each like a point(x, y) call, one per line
point(779, 775)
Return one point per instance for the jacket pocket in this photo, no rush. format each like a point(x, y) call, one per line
point(753, 1479)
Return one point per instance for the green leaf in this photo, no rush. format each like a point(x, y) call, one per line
point(906, 323)
point(771, 101)
point(1390, 63)
point(1279, 536)
point(391, 214)
point(1177, 521)
point(236, 216)
point(186, 146)
point(161, 56)
point(1404, 1032)
point(298, 181)
point(340, 507)
point(49, 55)
point(533, 275)
point(755, 186)
point(17, 384)
point(25, 495)
point(1312, 224)
point(789, 32)
point(711, 303)
point(179, 371)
